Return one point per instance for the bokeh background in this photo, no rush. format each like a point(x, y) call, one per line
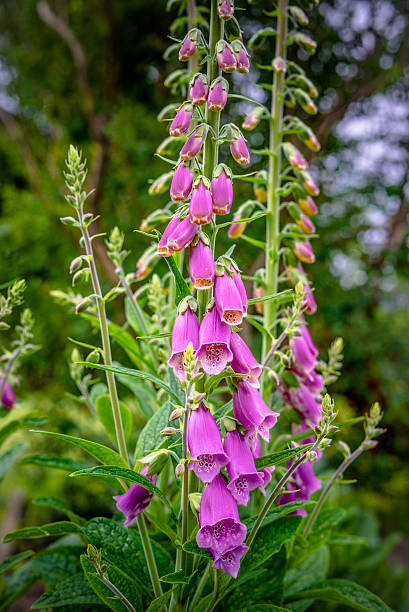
point(91, 72)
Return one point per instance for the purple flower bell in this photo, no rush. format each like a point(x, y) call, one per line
point(214, 352)
point(181, 122)
point(229, 302)
point(201, 265)
point(225, 9)
point(199, 89)
point(252, 412)
point(219, 522)
point(182, 182)
point(239, 150)
point(222, 190)
point(242, 471)
point(304, 359)
point(185, 330)
point(201, 204)
point(229, 562)
point(265, 472)
point(313, 381)
point(241, 289)
point(163, 250)
point(305, 403)
point(217, 97)
point(310, 305)
point(189, 45)
point(304, 484)
point(205, 445)
point(182, 235)
point(225, 56)
point(241, 55)
point(194, 143)
point(306, 224)
point(243, 361)
point(8, 398)
point(135, 500)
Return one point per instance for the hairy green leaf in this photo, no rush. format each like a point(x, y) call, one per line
point(9, 457)
point(57, 504)
point(127, 587)
point(50, 529)
point(72, 590)
point(344, 592)
point(11, 562)
point(104, 411)
point(58, 463)
point(57, 563)
point(280, 456)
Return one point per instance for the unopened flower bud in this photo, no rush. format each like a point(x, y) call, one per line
point(253, 118)
point(222, 190)
point(305, 102)
point(8, 398)
point(194, 500)
point(83, 305)
point(241, 55)
point(180, 470)
point(279, 64)
point(76, 264)
point(189, 45)
point(239, 150)
point(181, 122)
point(308, 205)
point(309, 184)
point(160, 185)
point(306, 43)
point(259, 188)
point(199, 89)
point(229, 423)
point(299, 15)
point(312, 143)
point(236, 229)
point(168, 431)
point(93, 357)
point(201, 204)
point(217, 97)
point(225, 56)
point(304, 252)
point(194, 143)
point(176, 414)
point(258, 292)
point(295, 159)
point(306, 224)
point(181, 183)
point(225, 9)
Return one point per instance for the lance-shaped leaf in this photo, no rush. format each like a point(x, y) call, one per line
point(276, 298)
point(280, 456)
point(12, 426)
point(11, 562)
point(58, 463)
point(182, 289)
point(74, 590)
point(50, 529)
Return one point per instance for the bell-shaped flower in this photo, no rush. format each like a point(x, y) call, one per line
point(189, 45)
point(240, 288)
point(310, 305)
point(135, 500)
point(306, 224)
point(225, 56)
point(214, 351)
point(242, 471)
point(304, 359)
point(201, 204)
point(229, 562)
point(313, 381)
point(304, 252)
point(181, 122)
point(304, 402)
point(205, 445)
point(308, 205)
point(309, 184)
point(194, 143)
point(265, 472)
point(199, 89)
point(181, 183)
point(8, 398)
point(229, 302)
point(201, 265)
point(222, 190)
point(305, 332)
point(163, 250)
point(219, 522)
point(303, 485)
point(252, 412)
point(225, 9)
point(185, 331)
point(182, 235)
point(241, 55)
point(243, 361)
point(217, 97)
point(239, 150)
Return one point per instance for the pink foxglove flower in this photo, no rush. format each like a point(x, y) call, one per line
point(229, 562)
point(225, 56)
point(185, 331)
point(229, 302)
point(236, 229)
point(307, 337)
point(217, 97)
point(194, 143)
point(313, 381)
point(219, 522)
point(199, 89)
point(304, 484)
point(181, 122)
point(135, 500)
point(163, 250)
point(241, 55)
point(252, 412)
point(242, 471)
point(310, 305)
point(253, 118)
point(182, 235)
point(239, 150)
point(308, 205)
point(309, 184)
point(201, 266)
point(205, 445)
point(8, 398)
point(304, 402)
point(266, 472)
point(201, 204)
point(225, 9)
point(303, 357)
point(295, 159)
point(306, 224)
point(241, 289)
point(304, 252)
point(214, 351)
point(181, 183)
point(243, 361)
point(189, 45)
point(222, 190)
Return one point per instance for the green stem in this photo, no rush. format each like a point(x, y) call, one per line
point(150, 559)
point(341, 469)
point(200, 587)
point(185, 481)
point(9, 368)
point(116, 592)
point(274, 168)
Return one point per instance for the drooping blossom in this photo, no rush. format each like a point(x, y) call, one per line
point(252, 412)
point(258, 292)
point(181, 183)
point(308, 205)
point(265, 472)
point(302, 400)
point(201, 204)
point(219, 522)
point(225, 56)
point(229, 302)
point(214, 351)
point(194, 143)
point(189, 45)
point(222, 190)
point(309, 184)
point(225, 9)
point(312, 380)
point(163, 250)
point(185, 330)
point(303, 486)
point(136, 499)
point(236, 229)
point(253, 118)
point(279, 64)
point(310, 305)
point(239, 150)
point(181, 122)
point(205, 445)
point(304, 252)
point(229, 562)
point(8, 398)
point(182, 235)
point(199, 89)
point(241, 55)
point(294, 157)
point(241, 289)
point(241, 469)
point(303, 357)
point(201, 265)
point(306, 224)
point(243, 361)
point(217, 97)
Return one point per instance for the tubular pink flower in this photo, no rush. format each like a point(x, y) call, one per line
point(309, 184)
point(306, 224)
point(236, 229)
point(252, 412)
point(185, 330)
point(201, 266)
point(229, 302)
point(241, 289)
point(201, 205)
point(304, 359)
point(304, 252)
point(313, 381)
point(304, 402)
point(8, 398)
point(205, 445)
point(225, 57)
point(304, 484)
point(220, 526)
point(181, 183)
point(241, 55)
point(308, 205)
point(199, 89)
point(307, 337)
point(239, 151)
point(243, 361)
point(163, 250)
point(182, 235)
point(193, 144)
point(294, 157)
point(222, 192)
point(189, 45)
point(242, 471)
point(310, 305)
point(214, 337)
point(217, 97)
point(181, 122)
point(229, 562)
point(135, 500)
point(225, 9)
